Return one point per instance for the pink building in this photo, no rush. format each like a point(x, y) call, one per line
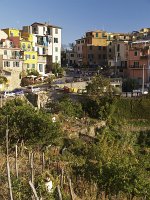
point(138, 62)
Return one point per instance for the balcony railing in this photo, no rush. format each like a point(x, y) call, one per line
point(42, 59)
point(134, 66)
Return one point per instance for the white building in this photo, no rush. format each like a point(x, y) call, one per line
point(47, 42)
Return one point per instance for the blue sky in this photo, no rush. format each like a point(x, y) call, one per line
point(77, 16)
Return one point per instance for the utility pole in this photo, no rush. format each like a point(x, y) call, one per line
point(143, 80)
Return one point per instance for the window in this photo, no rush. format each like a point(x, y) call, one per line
point(29, 46)
point(11, 34)
point(28, 65)
point(14, 64)
point(136, 64)
point(17, 64)
point(55, 40)
point(56, 58)
point(90, 47)
point(33, 56)
point(118, 47)
point(44, 51)
point(27, 56)
point(110, 50)
point(71, 55)
point(40, 67)
point(6, 64)
point(104, 48)
point(56, 49)
point(33, 65)
point(23, 46)
point(5, 52)
point(99, 48)
point(135, 53)
point(56, 30)
point(96, 34)
point(48, 31)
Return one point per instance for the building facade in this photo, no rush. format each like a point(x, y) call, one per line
point(47, 44)
point(11, 63)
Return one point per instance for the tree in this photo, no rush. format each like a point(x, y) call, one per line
point(99, 87)
point(57, 69)
point(129, 85)
point(3, 80)
point(32, 72)
point(99, 97)
point(115, 167)
point(25, 123)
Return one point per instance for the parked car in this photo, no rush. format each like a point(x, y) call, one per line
point(18, 91)
point(32, 89)
point(141, 91)
point(5, 94)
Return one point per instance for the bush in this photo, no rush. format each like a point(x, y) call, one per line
point(25, 123)
point(70, 108)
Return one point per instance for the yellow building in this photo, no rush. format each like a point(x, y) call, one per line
point(30, 60)
point(25, 45)
point(97, 38)
point(26, 36)
point(24, 41)
point(12, 32)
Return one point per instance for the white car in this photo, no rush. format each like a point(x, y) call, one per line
point(7, 94)
point(141, 91)
point(32, 89)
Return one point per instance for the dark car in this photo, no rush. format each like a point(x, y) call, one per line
point(18, 91)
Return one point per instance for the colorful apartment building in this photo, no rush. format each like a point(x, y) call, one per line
point(24, 41)
point(92, 49)
point(11, 63)
point(47, 43)
point(139, 61)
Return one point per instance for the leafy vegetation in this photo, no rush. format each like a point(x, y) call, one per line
point(3, 80)
point(56, 69)
point(26, 124)
point(113, 164)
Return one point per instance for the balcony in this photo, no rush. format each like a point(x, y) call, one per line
point(41, 59)
point(137, 67)
point(143, 56)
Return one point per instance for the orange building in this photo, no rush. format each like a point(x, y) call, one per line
point(92, 49)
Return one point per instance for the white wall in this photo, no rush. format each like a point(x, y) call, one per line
point(58, 45)
point(3, 35)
